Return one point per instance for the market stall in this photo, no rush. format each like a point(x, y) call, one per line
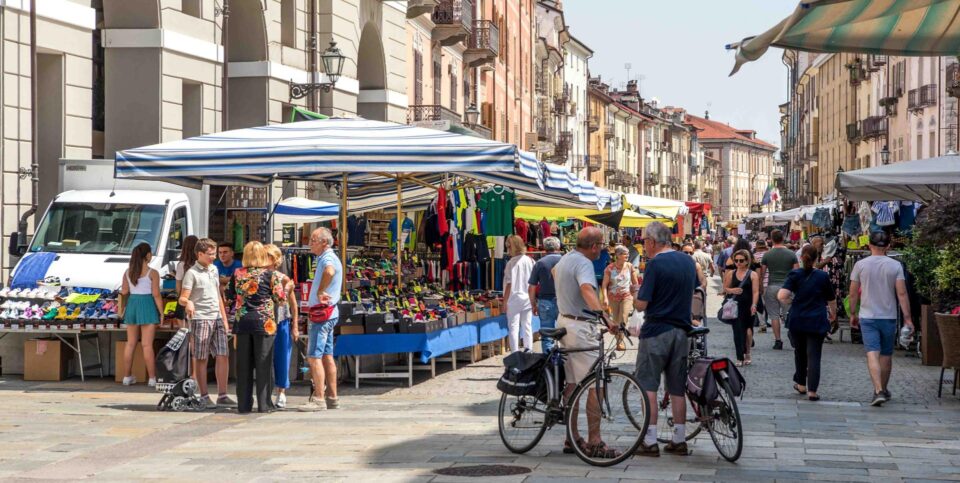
point(922, 179)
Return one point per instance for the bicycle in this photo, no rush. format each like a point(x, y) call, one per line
point(624, 411)
point(721, 418)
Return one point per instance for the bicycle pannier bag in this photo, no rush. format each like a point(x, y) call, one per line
point(701, 383)
point(523, 374)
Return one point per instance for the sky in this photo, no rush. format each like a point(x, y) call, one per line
point(678, 47)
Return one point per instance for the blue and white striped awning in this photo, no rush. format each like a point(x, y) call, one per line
point(307, 150)
point(302, 210)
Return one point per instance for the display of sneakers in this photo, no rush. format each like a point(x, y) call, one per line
point(4, 291)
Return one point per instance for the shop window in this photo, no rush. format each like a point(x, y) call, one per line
point(191, 8)
point(288, 23)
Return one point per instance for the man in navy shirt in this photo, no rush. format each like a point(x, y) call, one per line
point(541, 278)
point(666, 297)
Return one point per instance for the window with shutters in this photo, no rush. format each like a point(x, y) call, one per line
point(417, 77)
point(466, 89)
point(437, 74)
point(453, 88)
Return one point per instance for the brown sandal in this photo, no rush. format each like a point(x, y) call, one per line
point(568, 448)
point(600, 450)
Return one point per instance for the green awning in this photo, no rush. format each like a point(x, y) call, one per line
point(892, 27)
point(300, 114)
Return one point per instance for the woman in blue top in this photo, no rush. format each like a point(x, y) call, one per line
point(813, 307)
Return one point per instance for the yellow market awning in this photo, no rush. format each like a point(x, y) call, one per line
point(631, 219)
point(893, 27)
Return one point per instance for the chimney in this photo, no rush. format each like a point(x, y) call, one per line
point(632, 86)
point(706, 115)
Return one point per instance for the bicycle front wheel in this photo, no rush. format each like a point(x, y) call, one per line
point(665, 422)
point(725, 426)
point(610, 414)
point(523, 420)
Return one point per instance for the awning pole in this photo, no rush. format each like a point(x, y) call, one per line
point(343, 226)
point(400, 240)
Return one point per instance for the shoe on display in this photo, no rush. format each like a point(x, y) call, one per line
point(4, 291)
point(313, 405)
point(129, 380)
point(282, 400)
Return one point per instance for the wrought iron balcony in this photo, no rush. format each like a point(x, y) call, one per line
point(431, 112)
point(608, 131)
point(453, 20)
point(561, 102)
point(874, 126)
point(953, 80)
point(611, 167)
point(653, 179)
point(484, 43)
point(416, 8)
point(564, 142)
point(594, 162)
point(673, 181)
point(544, 130)
point(853, 132)
point(923, 97)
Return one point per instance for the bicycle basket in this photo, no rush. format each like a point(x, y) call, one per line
point(523, 374)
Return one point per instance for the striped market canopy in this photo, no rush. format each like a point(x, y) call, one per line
point(893, 27)
point(311, 149)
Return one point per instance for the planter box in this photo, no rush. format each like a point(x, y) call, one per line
point(930, 346)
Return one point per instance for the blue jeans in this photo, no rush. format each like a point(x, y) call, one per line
point(548, 319)
point(320, 339)
point(282, 350)
point(879, 335)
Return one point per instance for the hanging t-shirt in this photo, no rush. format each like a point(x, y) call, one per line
point(497, 205)
point(406, 231)
point(237, 234)
point(356, 230)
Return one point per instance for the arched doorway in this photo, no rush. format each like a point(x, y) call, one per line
point(371, 75)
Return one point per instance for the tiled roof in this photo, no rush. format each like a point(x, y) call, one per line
point(710, 129)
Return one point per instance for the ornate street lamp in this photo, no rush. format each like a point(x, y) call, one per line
point(885, 155)
point(333, 61)
point(471, 116)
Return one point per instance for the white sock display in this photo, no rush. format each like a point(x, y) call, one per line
point(679, 433)
point(651, 437)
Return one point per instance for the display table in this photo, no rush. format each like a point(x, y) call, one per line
point(429, 345)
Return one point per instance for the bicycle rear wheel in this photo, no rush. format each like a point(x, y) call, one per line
point(666, 423)
point(617, 415)
point(725, 426)
point(522, 421)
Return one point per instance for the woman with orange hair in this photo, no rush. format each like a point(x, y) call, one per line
point(255, 290)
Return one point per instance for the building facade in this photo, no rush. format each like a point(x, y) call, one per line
point(551, 91)
point(576, 75)
point(505, 89)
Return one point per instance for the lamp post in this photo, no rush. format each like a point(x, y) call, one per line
point(471, 116)
point(885, 154)
point(333, 60)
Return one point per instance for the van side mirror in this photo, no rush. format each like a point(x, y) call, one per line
point(14, 248)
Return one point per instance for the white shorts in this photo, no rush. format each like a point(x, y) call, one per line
point(579, 335)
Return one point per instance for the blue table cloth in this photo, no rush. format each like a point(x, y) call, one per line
point(429, 345)
point(495, 328)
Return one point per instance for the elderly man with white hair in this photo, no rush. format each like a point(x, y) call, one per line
point(543, 294)
point(325, 289)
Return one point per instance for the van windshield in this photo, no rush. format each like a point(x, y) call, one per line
point(109, 228)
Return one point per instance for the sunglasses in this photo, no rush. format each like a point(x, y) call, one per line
point(739, 260)
point(688, 253)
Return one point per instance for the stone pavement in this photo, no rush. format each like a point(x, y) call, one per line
point(100, 430)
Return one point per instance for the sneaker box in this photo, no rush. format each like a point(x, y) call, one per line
point(45, 360)
point(410, 326)
point(350, 320)
point(376, 324)
point(351, 329)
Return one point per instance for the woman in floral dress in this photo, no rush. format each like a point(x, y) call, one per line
point(256, 289)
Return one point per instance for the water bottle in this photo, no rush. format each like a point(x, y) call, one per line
point(906, 336)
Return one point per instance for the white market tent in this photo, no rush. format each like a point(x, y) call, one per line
point(661, 206)
point(804, 212)
point(923, 179)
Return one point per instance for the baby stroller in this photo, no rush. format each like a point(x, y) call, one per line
point(173, 376)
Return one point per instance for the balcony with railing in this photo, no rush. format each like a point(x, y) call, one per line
point(923, 97)
point(953, 80)
point(564, 142)
point(453, 20)
point(416, 8)
point(561, 102)
point(431, 112)
point(653, 179)
point(673, 181)
point(611, 166)
point(853, 132)
point(874, 126)
point(593, 123)
point(545, 129)
point(608, 132)
point(484, 44)
point(594, 162)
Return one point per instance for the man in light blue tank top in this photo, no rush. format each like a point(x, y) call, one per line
point(325, 289)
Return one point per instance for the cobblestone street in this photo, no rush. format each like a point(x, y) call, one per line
point(100, 430)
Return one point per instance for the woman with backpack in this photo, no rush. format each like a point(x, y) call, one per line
point(742, 285)
point(814, 307)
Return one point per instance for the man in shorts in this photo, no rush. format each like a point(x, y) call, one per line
point(325, 289)
point(205, 309)
point(776, 264)
point(576, 287)
point(665, 296)
point(877, 283)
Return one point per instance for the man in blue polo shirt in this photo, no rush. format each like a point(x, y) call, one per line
point(666, 297)
point(226, 264)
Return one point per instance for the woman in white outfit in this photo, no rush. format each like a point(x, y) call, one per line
point(515, 297)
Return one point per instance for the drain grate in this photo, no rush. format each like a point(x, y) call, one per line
point(483, 470)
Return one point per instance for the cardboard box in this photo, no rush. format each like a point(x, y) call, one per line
point(494, 311)
point(45, 360)
point(351, 329)
point(139, 369)
point(461, 318)
point(474, 316)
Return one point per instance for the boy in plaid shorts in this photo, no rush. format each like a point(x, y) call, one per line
point(204, 307)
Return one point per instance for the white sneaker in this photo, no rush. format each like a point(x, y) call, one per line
point(152, 382)
point(282, 400)
point(313, 405)
point(129, 380)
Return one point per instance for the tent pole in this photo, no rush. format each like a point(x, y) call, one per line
point(400, 240)
point(343, 225)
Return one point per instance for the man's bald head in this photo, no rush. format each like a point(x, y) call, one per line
point(588, 237)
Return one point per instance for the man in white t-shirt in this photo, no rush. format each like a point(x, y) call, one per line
point(877, 283)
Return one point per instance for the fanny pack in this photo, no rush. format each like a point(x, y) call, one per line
point(320, 313)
